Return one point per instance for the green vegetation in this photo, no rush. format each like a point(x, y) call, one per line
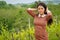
point(14, 22)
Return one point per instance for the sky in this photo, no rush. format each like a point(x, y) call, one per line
point(23, 1)
point(19, 1)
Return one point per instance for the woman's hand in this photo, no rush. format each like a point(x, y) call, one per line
point(33, 9)
point(47, 10)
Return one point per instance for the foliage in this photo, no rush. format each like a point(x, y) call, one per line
point(14, 23)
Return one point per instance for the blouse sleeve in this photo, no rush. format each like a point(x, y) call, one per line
point(31, 13)
point(49, 16)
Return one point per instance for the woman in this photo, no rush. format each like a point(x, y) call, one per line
point(41, 20)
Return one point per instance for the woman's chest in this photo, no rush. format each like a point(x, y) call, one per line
point(40, 20)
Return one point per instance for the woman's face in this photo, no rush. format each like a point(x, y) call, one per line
point(41, 9)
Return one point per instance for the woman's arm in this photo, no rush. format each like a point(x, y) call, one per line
point(49, 15)
point(31, 11)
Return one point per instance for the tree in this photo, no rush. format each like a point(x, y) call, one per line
point(2, 4)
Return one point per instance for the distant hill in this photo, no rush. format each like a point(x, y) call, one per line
point(51, 1)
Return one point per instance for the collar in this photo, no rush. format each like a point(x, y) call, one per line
point(39, 15)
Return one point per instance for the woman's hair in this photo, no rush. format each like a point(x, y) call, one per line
point(45, 12)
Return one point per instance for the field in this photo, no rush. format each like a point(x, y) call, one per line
point(17, 24)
